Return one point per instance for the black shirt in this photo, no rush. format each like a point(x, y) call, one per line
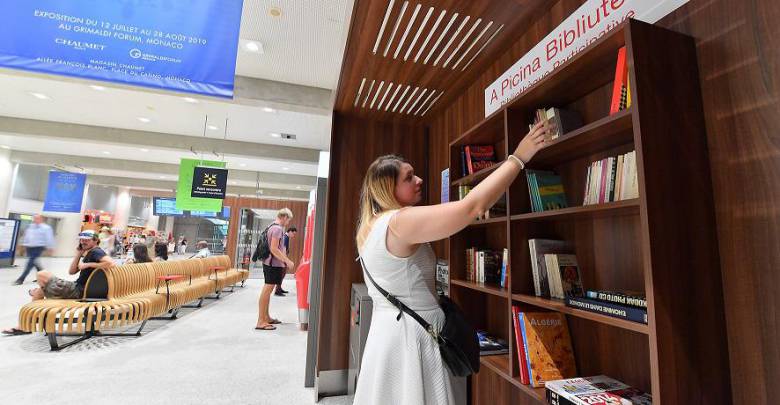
point(93, 256)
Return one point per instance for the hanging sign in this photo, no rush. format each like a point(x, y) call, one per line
point(185, 200)
point(65, 192)
point(591, 21)
point(209, 182)
point(184, 45)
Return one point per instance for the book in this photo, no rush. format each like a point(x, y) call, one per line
point(619, 87)
point(548, 348)
point(479, 157)
point(595, 390)
point(490, 345)
point(624, 312)
point(520, 347)
point(545, 190)
point(611, 179)
point(630, 298)
point(445, 185)
point(569, 276)
point(442, 277)
point(538, 248)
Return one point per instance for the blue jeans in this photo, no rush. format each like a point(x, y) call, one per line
point(33, 253)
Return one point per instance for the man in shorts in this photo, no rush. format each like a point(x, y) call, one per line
point(273, 268)
point(88, 258)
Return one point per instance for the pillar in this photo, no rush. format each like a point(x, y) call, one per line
point(122, 210)
point(6, 180)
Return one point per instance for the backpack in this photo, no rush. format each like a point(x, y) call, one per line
point(263, 250)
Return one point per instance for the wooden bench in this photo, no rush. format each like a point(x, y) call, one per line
point(127, 295)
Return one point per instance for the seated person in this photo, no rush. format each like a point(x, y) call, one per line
point(88, 258)
point(161, 252)
point(203, 250)
point(140, 255)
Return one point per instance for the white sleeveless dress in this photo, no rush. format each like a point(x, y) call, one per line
point(401, 361)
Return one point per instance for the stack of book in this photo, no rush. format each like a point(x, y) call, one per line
point(442, 277)
point(490, 345)
point(612, 179)
point(596, 390)
point(544, 349)
point(487, 266)
point(563, 121)
point(554, 269)
point(626, 305)
point(477, 157)
point(545, 190)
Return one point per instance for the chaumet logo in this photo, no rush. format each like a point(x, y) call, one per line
point(209, 180)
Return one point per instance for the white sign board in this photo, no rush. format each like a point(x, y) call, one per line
point(587, 24)
point(7, 234)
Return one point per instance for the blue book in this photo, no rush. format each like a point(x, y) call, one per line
point(624, 312)
point(521, 320)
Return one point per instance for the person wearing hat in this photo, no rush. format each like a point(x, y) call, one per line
point(88, 258)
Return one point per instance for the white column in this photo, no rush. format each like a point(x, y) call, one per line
point(154, 221)
point(122, 210)
point(6, 180)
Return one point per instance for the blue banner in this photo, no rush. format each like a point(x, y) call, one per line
point(182, 45)
point(65, 192)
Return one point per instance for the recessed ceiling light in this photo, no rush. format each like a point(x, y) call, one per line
point(276, 135)
point(253, 46)
point(191, 100)
point(96, 87)
point(144, 150)
point(40, 96)
point(298, 187)
point(269, 110)
point(243, 165)
point(285, 168)
point(234, 182)
point(162, 177)
point(213, 127)
point(144, 120)
point(275, 12)
point(105, 152)
point(5, 147)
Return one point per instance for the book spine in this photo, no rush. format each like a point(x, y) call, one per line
point(617, 298)
point(617, 87)
point(521, 320)
point(534, 266)
point(609, 309)
point(603, 184)
point(520, 346)
point(463, 169)
point(553, 398)
point(468, 160)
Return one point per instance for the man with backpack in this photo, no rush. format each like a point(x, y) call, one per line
point(272, 252)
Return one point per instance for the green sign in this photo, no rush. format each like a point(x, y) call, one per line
point(184, 199)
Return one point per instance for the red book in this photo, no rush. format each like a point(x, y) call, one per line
point(520, 347)
point(621, 77)
point(468, 159)
point(479, 157)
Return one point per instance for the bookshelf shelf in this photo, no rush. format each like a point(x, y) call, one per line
point(486, 288)
point(472, 179)
point(489, 130)
point(615, 208)
point(608, 132)
point(500, 365)
point(489, 221)
point(560, 306)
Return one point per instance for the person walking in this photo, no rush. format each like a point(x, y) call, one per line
point(291, 232)
point(37, 239)
point(182, 245)
point(273, 268)
point(401, 360)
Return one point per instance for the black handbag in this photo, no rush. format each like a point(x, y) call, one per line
point(458, 342)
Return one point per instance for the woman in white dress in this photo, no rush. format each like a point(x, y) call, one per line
point(401, 361)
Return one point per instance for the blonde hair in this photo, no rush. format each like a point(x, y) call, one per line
point(284, 212)
point(378, 193)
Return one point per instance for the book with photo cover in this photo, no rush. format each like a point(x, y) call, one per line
point(596, 390)
point(491, 345)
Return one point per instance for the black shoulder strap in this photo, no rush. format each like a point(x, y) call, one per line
point(395, 301)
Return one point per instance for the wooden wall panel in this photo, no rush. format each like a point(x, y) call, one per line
point(355, 143)
point(298, 208)
point(737, 49)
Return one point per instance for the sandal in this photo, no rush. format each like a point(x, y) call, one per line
point(266, 327)
point(15, 332)
point(275, 321)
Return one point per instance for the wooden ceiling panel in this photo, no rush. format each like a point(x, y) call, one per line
point(405, 58)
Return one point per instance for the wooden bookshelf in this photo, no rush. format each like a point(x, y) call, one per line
point(650, 243)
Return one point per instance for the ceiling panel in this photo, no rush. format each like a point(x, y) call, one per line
point(405, 58)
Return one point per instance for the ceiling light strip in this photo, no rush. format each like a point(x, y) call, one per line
point(384, 23)
point(484, 30)
point(378, 90)
point(430, 34)
point(368, 93)
point(411, 96)
point(462, 41)
point(390, 102)
point(483, 47)
point(411, 107)
point(441, 37)
point(402, 97)
point(452, 38)
point(432, 104)
point(387, 91)
point(360, 90)
point(395, 28)
point(419, 31)
point(424, 103)
point(406, 32)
